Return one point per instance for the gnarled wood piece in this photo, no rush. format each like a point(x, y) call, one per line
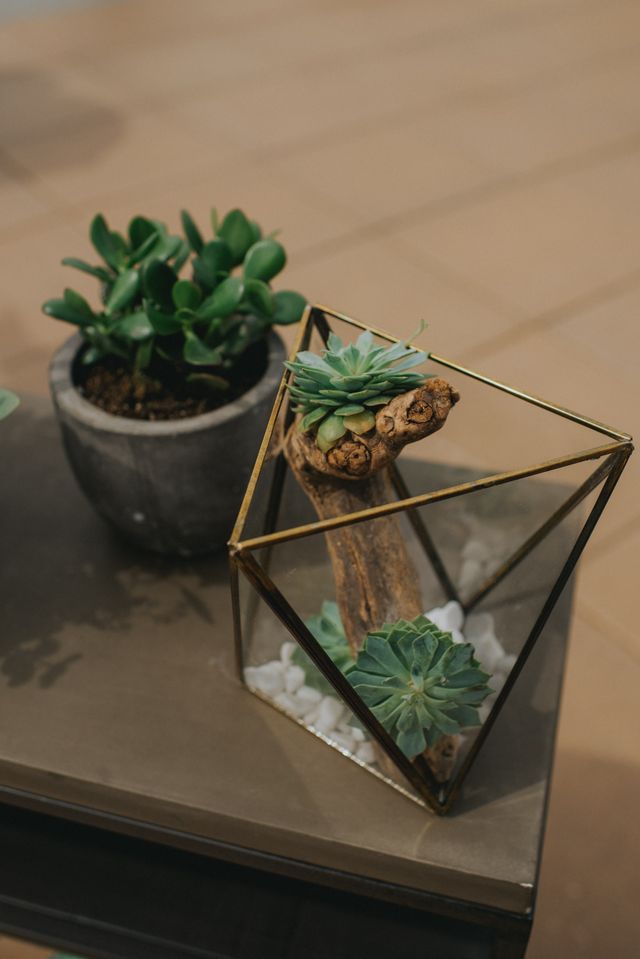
point(376, 581)
point(405, 419)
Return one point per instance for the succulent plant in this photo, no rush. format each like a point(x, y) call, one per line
point(340, 390)
point(419, 683)
point(328, 630)
point(151, 317)
point(8, 402)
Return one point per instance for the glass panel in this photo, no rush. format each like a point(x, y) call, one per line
point(497, 627)
point(417, 618)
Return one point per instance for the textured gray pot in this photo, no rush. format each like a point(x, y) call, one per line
point(173, 486)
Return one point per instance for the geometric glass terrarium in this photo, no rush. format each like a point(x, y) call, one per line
point(483, 522)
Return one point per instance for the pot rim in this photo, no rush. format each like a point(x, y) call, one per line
point(70, 400)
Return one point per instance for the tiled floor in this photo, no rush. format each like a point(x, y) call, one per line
point(474, 163)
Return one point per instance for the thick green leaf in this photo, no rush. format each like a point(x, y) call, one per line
point(140, 230)
point(329, 432)
point(181, 256)
point(186, 295)
point(238, 233)
point(78, 303)
point(158, 281)
point(145, 249)
point(360, 422)
point(144, 354)
point(136, 326)
point(8, 403)
point(224, 299)
point(289, 307)
point(163, 323)
point(121, 248)
point(259, 296)
point(123, 292)
point(256, 231)
point(98, 271)
point(214, 260)
point(264, 260)
point(109, 248)
point(62, 310)
point(192, 233)
point(311, 418)
point(166, 247)
point(198, 353)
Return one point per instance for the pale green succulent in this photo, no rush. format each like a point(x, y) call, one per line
point(339, 390)
point(327, 628)
point(418, 683)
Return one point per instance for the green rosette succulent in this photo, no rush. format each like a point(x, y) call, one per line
point(418, 683)
point(328, 630)
point(340, 390)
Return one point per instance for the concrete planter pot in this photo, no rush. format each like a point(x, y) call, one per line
point(173, 486)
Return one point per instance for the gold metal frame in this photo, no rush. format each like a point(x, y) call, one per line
point(613, 454)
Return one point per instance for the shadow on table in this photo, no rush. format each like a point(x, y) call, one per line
point(63, 566)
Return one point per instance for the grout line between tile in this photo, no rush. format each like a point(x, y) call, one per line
point(614, 631)
point(553, 318)
point(444, 206)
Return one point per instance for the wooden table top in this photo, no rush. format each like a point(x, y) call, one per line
point(119, 707)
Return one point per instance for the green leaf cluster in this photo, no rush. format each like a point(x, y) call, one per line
point(151, 316)
point(328, 630)
point(419, 683)
point(339, 390)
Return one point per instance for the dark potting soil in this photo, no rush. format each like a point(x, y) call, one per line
point(164, 394)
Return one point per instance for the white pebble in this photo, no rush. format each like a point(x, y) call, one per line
point(345, 742)
point(308, 697)
point(506, 663)
point(474, 549)
point(366, 753)
point(294, 677)
point(347, 729)
point(290, 704)
point(286, 652)
point(329, 714)
point(483, 711)
point(489, 651)
point(269, 678)
point(436, 615)
point(470, 573)
point(454, 615)
point(478, 624)
point(311, 716)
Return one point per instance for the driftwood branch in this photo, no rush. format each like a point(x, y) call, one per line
point(376, 581)
point(407, 418)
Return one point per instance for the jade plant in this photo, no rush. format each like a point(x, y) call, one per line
point(198, 325)
point(341, 389)
point(419, 683)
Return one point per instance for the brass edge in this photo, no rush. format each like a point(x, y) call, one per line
point(534, 400)
point(334, 745)
point(487, 482)
point(298, 629)
point(268, 433)
point(572, 501)
point(540, 623)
